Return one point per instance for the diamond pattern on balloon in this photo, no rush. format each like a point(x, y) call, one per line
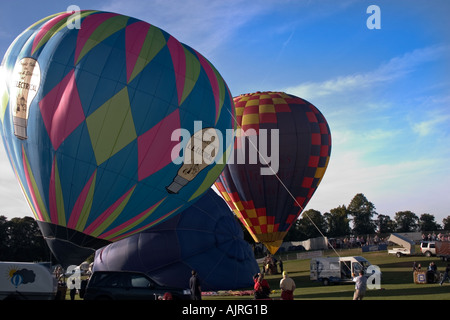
point(111, 127)
point(61, 110)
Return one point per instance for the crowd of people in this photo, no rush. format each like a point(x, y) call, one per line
point(350, 242)
point(355, 241)
point(435, 237)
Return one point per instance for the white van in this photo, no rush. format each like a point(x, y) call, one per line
point(337, 269)
point(28, 281)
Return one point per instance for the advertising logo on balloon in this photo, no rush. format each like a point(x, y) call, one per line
point(200, 151)
point(25, 84)
point(206, 145)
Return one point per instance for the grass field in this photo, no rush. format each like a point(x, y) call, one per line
point(396, 283)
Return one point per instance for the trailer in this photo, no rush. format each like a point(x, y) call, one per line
point(26, 281)
point(443, 250)
point(407, 245)
point(337, 269)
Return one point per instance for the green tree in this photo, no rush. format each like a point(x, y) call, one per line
point(338, 223)
point(446, 223)
point(385, 224)
point(406, 221)
point(306, 226)
point(294, 233)
point(362, 211)
point(24, 241)
point(427, 223)
point(311, 224)
point(3, 238)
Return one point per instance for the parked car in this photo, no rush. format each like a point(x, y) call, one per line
point(428, 248)
point(125, 285)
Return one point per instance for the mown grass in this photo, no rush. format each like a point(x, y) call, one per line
point(396, 284)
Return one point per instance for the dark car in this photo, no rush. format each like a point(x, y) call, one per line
point(125, 285)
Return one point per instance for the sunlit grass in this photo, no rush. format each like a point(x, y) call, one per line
point(397, 282)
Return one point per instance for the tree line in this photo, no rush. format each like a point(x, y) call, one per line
point(21, 238)
point(365, 220)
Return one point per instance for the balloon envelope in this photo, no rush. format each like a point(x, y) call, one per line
point(87, 115)
point(206, 237)
point(269, 200)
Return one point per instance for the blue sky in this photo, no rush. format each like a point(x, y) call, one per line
point(385, 92)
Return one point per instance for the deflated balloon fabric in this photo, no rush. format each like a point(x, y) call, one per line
point(206, 237)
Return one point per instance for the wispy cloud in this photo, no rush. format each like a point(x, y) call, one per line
point(429, 126)
point(435, 116)
point(202, 24)
point(394, 69)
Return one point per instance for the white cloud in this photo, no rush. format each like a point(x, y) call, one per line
point(394, 69)
point(436, 115)
point(424, 128)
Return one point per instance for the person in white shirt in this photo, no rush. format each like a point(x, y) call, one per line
point(287, 286)
point(360, 286)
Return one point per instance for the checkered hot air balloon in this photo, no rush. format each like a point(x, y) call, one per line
point(87, 115)
point(268, 204)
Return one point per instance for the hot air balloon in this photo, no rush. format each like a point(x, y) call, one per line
point(206, 237)
point(87, 119)
point(268, 189)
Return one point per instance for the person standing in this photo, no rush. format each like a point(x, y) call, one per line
point(73, 290)
point(446, 274)
point(360, 286)
point(287, 286)
point(195, 286)
point(261, 287)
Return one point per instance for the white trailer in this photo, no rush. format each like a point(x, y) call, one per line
point(407, 245)
point(27, 281)
point(337, 269)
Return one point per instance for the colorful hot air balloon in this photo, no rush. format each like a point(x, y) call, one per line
point(269, 200)
point(87, 115)
point(206, 237)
